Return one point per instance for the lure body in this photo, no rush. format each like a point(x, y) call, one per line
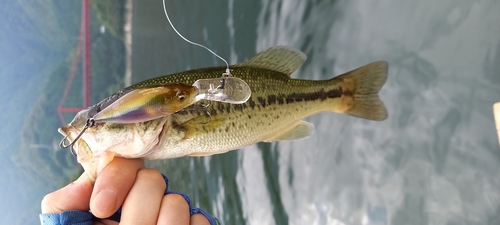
point(147, 103)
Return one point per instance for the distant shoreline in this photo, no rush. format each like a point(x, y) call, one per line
point(128, 42)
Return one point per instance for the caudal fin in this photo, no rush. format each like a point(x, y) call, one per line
point(366, 82)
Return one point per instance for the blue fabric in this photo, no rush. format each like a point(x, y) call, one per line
point(73, 217)
point(211, 219)
point(76, 217)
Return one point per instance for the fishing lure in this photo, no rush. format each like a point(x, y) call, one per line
point(149, 103)
point(154, 102)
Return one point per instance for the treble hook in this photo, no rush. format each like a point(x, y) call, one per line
point(201, 107)
point(62, 144)
point(207, 112)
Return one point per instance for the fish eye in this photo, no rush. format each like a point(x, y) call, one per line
point(181, 97)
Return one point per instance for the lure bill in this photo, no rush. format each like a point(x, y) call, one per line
point(274, 112)
point(230, 90)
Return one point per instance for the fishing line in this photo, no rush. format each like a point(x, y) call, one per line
point(227, 73)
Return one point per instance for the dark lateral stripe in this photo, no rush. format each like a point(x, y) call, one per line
point(302, 97)
point(279, 99)
point(262, 101)
point(284, 99)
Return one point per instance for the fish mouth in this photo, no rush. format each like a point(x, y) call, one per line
point(73, 129)
point(69, 132)
point(64, 131)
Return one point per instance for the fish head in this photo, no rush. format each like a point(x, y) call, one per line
point(179, 97)
point(99, 144)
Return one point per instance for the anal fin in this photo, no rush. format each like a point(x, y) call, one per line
point(302, 130)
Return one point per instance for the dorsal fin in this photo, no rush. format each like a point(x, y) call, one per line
point(282, 59)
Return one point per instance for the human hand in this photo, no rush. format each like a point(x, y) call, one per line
point(126, 183)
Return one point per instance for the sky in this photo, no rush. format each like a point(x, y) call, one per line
point(35, 37)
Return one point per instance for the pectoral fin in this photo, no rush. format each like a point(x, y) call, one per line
point(201, 124)
point(302, 130)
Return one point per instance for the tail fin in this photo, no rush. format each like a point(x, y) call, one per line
point(366, 82)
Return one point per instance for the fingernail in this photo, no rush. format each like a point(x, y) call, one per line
point(105, 201)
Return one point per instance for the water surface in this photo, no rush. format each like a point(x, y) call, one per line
point(435, 160)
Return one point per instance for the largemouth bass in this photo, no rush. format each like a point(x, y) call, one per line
point(274, 112)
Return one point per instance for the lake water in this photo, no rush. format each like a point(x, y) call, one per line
point(435, 160)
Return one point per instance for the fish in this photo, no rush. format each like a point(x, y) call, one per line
point(275, 111)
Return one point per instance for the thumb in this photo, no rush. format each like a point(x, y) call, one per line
point(74, 196)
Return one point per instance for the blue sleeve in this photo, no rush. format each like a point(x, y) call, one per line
point(211, 219)
point(72, 217)
point(75, 217)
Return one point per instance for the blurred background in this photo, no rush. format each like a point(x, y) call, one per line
point(435, 160)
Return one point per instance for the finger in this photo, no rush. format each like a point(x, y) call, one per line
point(144, 199)
point(174, 210)
point(199, 219)
point(74, 196)
point(112, 186)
